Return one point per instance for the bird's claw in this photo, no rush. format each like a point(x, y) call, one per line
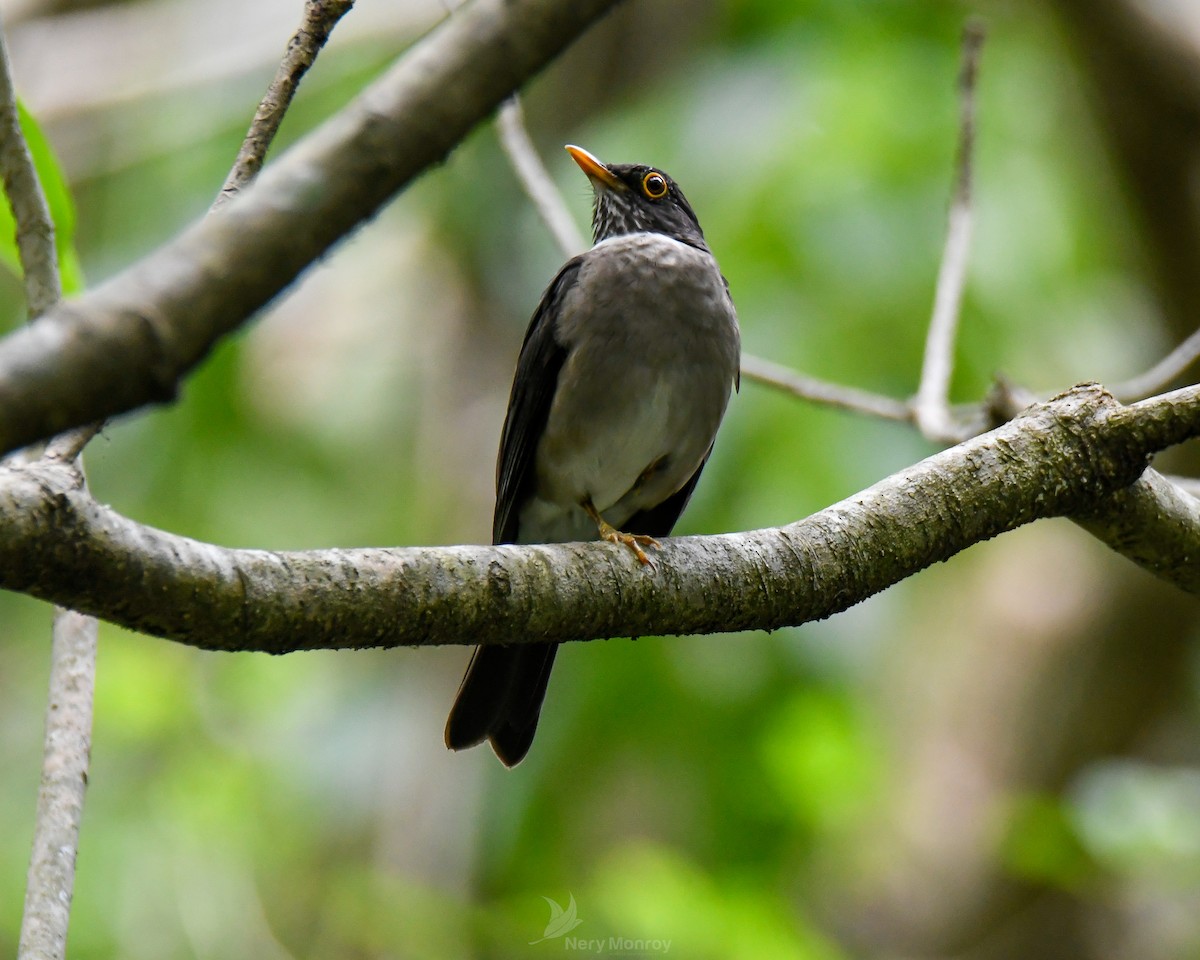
point(634, 541)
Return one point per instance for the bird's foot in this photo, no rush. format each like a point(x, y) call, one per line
point(634, 541)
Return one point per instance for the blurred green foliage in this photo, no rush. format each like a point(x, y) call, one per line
point(719, 792)
point(1043, 845)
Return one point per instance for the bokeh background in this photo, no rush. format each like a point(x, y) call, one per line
point(997, 758)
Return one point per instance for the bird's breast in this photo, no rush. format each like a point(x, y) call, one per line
point(652, 353)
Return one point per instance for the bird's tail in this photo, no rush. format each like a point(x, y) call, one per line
point(500, 699)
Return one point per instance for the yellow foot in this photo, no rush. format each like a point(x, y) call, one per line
point(634, 541)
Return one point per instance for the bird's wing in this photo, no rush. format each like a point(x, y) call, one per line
point(542, 357)
point(657, 521)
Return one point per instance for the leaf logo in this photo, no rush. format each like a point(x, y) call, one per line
point(561, 921)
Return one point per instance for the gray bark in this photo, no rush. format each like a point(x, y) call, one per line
point(1067, 457)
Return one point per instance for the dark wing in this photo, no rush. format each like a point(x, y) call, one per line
point(658, 520)
point(534, 383)
point(502, 692)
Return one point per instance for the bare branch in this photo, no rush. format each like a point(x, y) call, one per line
point(68, 446)
point(1161, 374)
point(31, 212)
point(51, 879)
point(931, 405)
point(1154, 523)
point(1065, 457)
point(1189, 485)
point(541, 189)
point(128, 342)
point(929, 410)
point(821, 391)
point(64, 784)
point(320, 17)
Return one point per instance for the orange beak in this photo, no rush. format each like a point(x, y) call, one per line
point(596, 171)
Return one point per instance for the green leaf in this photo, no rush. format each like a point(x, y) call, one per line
point(62, 209)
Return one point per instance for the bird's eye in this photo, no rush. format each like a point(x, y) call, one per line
point(654, 185)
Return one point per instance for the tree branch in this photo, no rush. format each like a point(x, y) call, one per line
point(1162, 373)
point(1154, 524)
point(129, 341)
point(66, 754)
point(1064, 457)
point(931, 404)
point(821, 391)
point(1188, 485)
point(320, 17)
point(31, 212)
point(535, 180)
point(66, 749)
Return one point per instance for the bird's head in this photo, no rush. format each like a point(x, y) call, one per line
point(635, 198)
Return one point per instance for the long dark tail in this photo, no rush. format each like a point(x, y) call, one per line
point(500, 699)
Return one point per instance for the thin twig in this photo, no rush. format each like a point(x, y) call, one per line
point(68, 446)
point(1189, 485)
point(536, 180)
point(821, 391)
point(320, 17)
point(64, 784)
point(68, 736)
point(31, 212)
point(1159, 376)
point(931, 404)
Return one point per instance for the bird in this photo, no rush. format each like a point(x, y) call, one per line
point(624, 376)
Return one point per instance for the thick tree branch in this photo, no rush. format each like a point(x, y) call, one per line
point(1154, 523)
point(1189, 485)
point(1065, 457)
point(129, 341)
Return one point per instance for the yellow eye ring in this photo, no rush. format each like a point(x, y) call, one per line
point(654, 185)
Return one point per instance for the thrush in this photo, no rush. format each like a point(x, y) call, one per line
point(623, 378)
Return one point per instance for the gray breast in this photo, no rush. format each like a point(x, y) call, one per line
point(653, 352)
